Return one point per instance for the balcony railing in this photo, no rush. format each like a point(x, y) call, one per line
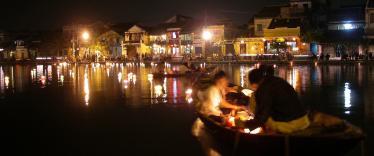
point(132, 42)
point(158, 42)
point(186, 42)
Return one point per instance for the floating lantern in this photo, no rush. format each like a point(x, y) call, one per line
point(256, 131)
point(231, 122)
point(189, 91)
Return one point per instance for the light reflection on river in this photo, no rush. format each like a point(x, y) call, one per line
point(342, 90)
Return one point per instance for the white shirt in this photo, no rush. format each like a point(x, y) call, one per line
point(209, 101)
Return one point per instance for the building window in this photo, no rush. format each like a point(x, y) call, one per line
point(174, 35)
point(372, 18)
point(243, 48)
point(259, 27)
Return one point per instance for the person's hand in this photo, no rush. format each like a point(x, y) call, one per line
point(231, 90)
point(239, 108)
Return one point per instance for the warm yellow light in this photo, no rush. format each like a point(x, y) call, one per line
point(6, 80)
point(247, 92)
point(189, 91)
point(190, 100)
point(86, 89)
point(85, 35)
point(232, 121)
point(207, 35)
point(119, 77)
point(163, 37)
point(150, 77)
point(158, 90)
point(256, 131)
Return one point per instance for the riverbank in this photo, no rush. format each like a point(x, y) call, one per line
point(278, 62)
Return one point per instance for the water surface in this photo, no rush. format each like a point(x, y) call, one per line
point(119, 109)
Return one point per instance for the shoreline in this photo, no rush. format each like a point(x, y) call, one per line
point(277, 62)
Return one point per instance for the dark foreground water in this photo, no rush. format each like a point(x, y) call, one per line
point(116, 109)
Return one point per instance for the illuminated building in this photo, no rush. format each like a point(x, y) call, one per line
point(369, 28)
point(345, 25)
point(280, 28)
point(136, 42)
point(109, 45)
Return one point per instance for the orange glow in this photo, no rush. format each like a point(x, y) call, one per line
point(231, 122)
point(207, 35)
point(189, 91)
point(85, 36)
point(256, 131)
point(6, 80)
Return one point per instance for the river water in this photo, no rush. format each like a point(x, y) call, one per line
point(120, 109)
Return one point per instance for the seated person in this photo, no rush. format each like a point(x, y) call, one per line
point(212, 99)
point(277, 104)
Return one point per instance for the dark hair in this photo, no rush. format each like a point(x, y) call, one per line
point(219, 75)
point(256, 75)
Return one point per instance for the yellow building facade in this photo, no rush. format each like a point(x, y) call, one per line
point(249, 46)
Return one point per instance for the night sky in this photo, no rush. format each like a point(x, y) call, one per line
point(52, 14)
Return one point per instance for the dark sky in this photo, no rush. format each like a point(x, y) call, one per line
point(52, 14)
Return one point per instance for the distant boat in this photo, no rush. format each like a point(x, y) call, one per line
point(328, 141)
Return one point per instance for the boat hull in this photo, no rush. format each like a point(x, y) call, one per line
point(262, 144)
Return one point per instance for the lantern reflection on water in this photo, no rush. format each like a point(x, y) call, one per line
point(119, 77)
point(126, 84)
point(6, 80)
point(42, 80)
point(134, 78)
point(86, 89)
point(150, 77)
point(62, 78)
point(189, 98)
point(158, 91)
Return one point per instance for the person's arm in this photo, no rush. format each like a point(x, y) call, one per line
point(225, 104)
point(262, 112)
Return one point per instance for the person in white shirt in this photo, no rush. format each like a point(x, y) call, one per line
point(212, 99)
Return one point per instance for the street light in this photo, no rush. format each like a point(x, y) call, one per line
point(207, 35)
point(85, 36)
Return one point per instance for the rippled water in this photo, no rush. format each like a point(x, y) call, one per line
point(118, 109)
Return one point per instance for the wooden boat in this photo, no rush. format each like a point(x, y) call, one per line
point(328, 141)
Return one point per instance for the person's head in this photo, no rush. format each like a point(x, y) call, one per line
point(220, 79)
point(256, 76)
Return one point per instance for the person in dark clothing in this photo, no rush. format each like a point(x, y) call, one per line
point(277, 104)
point(328, 57)
point(322, 57)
